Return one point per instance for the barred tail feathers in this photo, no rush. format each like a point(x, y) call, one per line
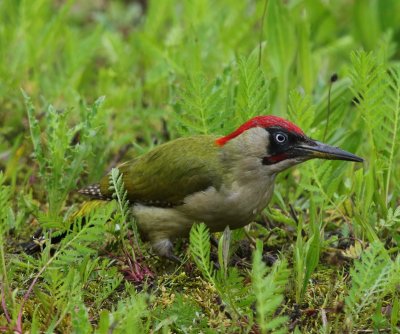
point(93, 191)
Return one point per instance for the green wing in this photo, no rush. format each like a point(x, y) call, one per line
point(170, 172)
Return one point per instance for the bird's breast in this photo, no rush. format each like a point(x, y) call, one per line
point(235, 205)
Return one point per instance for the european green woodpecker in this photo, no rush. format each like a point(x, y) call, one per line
point(221, 181)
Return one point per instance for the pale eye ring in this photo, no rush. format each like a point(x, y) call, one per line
point(280, 138)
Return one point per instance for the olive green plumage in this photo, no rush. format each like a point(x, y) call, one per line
point(222, 182)
point(170, 172)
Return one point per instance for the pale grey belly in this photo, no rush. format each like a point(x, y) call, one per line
point(219, 216)
point(235, 210)
point(216, 209)
point(170, 223)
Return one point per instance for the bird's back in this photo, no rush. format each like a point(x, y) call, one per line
point(168, 173)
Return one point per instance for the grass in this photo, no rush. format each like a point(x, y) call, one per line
point(87, 85)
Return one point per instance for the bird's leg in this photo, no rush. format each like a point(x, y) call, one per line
point(234, 257)
point(214, 241)
point(171, 256)
point(163, 248)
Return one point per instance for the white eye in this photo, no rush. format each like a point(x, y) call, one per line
point(280, 138)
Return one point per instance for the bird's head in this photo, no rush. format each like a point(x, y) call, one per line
point(279, 144)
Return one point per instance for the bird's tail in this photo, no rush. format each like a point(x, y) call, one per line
point(93, 191)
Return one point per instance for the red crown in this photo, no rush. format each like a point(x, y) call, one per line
point(262, 122)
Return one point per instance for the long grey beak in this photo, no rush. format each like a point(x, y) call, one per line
point(316, 149)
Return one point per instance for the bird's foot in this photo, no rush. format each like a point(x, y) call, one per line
point(171, 256)
point(163, 248)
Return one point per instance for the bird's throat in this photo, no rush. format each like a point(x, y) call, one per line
point(274, 159)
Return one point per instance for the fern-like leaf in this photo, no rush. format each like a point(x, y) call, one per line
point(200, 249)
point(6, 212)
point(119, 193)
point(372, 279)
point(201, 106)
point(268, 291)
point(79, 242)
point(370, 88)
point(253, 90)
point(300, 110)
point(392, 123)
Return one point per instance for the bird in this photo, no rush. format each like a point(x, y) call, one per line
point(217, 180)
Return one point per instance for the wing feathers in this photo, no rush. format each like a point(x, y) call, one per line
point(167, 174)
